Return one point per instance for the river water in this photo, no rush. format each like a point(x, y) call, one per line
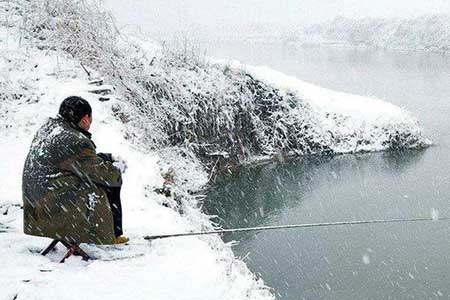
point(381, 261)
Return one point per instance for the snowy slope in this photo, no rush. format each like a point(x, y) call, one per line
point(33, 84)
point(428, 32)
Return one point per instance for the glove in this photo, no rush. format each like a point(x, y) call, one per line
point(105, 156)
point(119, 163)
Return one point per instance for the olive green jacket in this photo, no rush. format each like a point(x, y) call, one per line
point(63, 186)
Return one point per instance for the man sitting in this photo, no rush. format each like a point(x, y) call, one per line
point(71, 193)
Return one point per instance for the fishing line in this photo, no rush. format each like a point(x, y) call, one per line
point(264, 228)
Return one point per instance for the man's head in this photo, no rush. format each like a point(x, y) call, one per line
point(77, 111)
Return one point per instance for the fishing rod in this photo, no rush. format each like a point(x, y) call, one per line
point(264, 228)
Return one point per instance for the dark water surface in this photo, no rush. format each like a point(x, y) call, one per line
point(382, 261)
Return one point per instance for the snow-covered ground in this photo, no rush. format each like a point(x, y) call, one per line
point(186, 268)
point(428, 32)
point(34, 82)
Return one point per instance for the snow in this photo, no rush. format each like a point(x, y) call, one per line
point(434, 214)
point(366, 259)
point(329, 101)
point(344, 122)
point(184, 268)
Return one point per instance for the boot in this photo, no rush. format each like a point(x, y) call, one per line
point(121, 240)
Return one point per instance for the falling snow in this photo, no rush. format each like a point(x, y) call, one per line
point(366, 259)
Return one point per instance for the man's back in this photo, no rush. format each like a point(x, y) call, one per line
point(54, 143)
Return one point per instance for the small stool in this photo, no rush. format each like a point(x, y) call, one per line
point(73, 249)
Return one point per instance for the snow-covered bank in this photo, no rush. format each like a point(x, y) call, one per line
point(33, 85)
point(350, 123)
point(430, 33)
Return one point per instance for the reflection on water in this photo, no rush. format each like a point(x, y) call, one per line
point(383, 261)
point(360, 262)
point(257, 194)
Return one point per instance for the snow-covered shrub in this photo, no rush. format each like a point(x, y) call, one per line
point(174, 98)
point(81, 28)
point(14, 93)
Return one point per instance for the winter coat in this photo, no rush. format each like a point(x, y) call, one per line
point(63, 186)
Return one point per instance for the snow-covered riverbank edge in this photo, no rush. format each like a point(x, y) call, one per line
point(186, 268)
point(35, 78)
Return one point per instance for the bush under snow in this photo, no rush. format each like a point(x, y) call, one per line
point(173, 99)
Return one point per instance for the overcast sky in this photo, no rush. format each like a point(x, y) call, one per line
point(167, 16)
